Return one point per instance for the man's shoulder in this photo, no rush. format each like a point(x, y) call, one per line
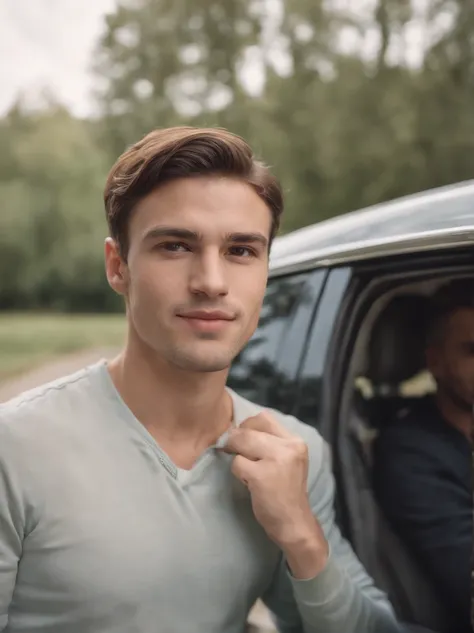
point(58, 398)
point(419, 418)
point(416, 435)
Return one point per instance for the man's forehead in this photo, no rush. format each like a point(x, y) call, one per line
point(229, 207)
point(461, 324)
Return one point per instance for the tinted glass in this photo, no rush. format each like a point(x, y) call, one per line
point(283, 395)
point(314, 366)
point(254, 371)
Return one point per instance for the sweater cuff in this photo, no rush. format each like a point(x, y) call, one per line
point(321, 589)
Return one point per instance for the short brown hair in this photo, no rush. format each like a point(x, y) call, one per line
point(183, 152)
point(455, 295)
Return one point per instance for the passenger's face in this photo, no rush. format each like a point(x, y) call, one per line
point(452, 361)
point(198, 248)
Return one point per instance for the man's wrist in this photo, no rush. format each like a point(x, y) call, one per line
point(307, 554)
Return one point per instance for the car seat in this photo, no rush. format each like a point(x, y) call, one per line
point(395, 354)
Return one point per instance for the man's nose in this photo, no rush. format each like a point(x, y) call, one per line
point(208, 275)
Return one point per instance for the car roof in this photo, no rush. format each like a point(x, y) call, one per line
point(434, 219)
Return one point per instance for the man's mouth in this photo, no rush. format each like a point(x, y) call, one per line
point(208, 315)
point(207, 320)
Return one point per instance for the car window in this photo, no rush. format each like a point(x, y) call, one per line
point(285, 391)
point(253, 372)
point(314, 365)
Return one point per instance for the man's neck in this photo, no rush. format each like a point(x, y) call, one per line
point(460, 419)
point(174, 405)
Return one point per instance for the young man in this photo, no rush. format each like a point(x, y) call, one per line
point(423, 462)
point(141, 495)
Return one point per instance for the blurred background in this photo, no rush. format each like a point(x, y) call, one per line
point(352, 102)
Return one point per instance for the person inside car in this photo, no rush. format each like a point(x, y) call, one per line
point(422, 458)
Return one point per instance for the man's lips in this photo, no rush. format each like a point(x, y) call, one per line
point(205, 315)
point(207, 320)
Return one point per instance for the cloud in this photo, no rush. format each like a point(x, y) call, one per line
point(49, 44)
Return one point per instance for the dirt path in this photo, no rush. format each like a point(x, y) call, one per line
point(259, 619)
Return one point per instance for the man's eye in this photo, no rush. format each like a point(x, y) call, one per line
point(242, 251)
point(174, 247)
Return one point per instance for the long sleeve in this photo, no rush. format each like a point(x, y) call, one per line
point(425, 500)
point(11, 527)
point(343, 598)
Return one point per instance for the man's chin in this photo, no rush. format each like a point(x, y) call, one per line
point(202, 364)
point(206, 368)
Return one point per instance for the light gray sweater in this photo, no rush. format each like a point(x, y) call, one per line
point(101, 533)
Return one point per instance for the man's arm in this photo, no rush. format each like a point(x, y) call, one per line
point(342, 597)
point(430, 510)
point(11, 527)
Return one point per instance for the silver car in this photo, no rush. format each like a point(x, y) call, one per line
point(314, 354)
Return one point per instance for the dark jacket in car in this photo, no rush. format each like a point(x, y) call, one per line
point(423, 483)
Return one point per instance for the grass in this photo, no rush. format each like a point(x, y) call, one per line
point(29, 340)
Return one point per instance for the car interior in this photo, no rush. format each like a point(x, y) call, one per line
point(386, 371)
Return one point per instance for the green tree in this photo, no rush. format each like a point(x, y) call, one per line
point(168, 62)
point(52, 223)
point(444, 135)
point(341, 129)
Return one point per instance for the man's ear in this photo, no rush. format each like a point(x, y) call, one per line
point(115, 267)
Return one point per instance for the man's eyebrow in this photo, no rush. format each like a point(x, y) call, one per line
point(171, 231)
point(248, 238)
point(186, 234)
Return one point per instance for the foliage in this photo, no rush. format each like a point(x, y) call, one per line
point(331, 98)
point(51, 221)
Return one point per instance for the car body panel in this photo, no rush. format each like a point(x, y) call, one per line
point(437, 219)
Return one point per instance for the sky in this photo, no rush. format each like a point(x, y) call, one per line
point(50, 43)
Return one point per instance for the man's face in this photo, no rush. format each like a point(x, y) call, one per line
point(452, 361)
point(197, 270)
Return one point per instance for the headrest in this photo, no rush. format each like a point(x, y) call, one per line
point(397, 341)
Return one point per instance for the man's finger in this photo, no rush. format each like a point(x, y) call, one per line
point(243, 469)
point(251, 444)
point(266, 423)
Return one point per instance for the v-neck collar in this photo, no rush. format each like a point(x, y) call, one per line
point(242, 409)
